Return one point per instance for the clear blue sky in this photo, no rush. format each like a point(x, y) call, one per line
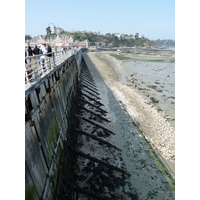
point(155, 19)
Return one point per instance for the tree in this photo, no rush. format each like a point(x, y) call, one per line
point(48, 30)
point(28, 37)
point(108, 34)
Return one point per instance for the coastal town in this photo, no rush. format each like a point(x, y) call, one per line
point(58, 39)
point(61, 40)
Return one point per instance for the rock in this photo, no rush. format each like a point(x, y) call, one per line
point(107, 195)
point(154, 100)
point(106, 189)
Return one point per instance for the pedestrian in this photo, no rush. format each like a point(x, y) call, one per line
point(30, 53)
point(49, 50)
point(50, 60)
point(36, 50)
point(25, 57)
point(43, 50)
point(28, 67)
point(36, 60)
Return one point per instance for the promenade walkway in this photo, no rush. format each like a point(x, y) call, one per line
point(38, 66)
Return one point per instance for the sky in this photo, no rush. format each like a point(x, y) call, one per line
point(154, 19)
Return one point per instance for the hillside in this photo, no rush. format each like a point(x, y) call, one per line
point(112, 40)
point(164, 43)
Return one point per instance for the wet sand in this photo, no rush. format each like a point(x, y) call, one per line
point(153, 77)
point(156, 128)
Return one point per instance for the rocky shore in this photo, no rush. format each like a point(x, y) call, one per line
point(155, 126)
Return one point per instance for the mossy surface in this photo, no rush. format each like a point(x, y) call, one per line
point(159, 164)
point(47, 155)
point(30, 192)
point(52, 131)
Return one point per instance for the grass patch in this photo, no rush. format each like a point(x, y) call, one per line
point(156, 60)
point(119, 57)
point(160, 60)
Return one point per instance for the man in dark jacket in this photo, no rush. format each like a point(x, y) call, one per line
point(36, 50)
point(49, 50)
point(30, 53)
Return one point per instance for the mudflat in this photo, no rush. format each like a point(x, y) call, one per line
point(155, 127)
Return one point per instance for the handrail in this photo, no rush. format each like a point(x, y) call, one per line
point(45, 54)
point(39, 65)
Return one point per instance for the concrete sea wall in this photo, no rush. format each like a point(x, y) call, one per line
point(47, 108)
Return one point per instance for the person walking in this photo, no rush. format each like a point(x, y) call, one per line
point(49, 50)
point(36, 50)
point(25, 57)
point(44, 51)
point(28, 67)
point(30, 53)
point(36, 60)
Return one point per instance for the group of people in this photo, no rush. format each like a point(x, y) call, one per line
point(42, 50)
point(44, 57)
point(36, 51)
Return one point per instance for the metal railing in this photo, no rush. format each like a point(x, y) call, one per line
point(40, 65)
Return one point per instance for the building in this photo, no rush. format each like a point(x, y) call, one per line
point(58, 31)
point(40, 40)
point(69, 40)
point(58, 40)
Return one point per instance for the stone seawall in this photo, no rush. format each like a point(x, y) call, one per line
point(47, 108)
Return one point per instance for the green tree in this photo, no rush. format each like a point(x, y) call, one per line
point(28, 37)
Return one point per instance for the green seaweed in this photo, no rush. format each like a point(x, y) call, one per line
point(53, 129)
point(160, 164)
point(30, 192)
point(51, 138)
point(152, 194)
point(56, 128)
point(47, 154)
point(119, 57)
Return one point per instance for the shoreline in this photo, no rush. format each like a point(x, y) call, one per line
point(157, 130)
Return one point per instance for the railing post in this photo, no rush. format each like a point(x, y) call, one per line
point(54, 63)
point(45, 63)
point(63, 53)
point(42, 64)
point(26, 75)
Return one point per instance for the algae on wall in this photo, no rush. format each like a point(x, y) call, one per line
point(30, 192)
